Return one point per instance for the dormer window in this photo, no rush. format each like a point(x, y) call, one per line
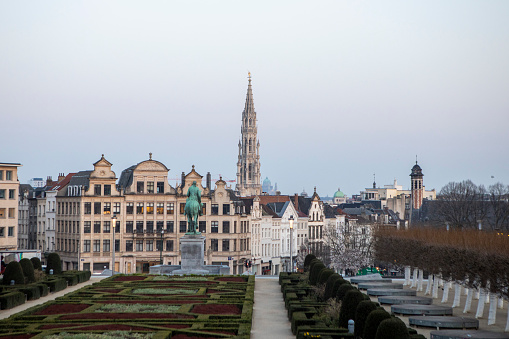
point(140, 187)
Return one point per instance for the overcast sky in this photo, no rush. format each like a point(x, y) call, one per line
point(342, 89)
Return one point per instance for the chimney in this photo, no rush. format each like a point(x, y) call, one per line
point(61, 177)
point(209, 181)
point(183, 181)
point(49, 181)
point(278, 192)
point(296, 201)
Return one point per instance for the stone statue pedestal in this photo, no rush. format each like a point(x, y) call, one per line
point(192, 254)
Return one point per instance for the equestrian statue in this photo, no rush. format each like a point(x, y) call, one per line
point(193, 209)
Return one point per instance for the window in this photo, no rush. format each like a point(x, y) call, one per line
point(169, 245)
point(214, 245)
point(106, 245)
point(226, 227)
point(215, 209)
point(139, 245)
point(12, 212)
point(139, 187)
point(169, 227)
point(97, 245)
point(160, 208)
point(88, 208)
point(107, 208)
point(97, 190)
point(129, 208)
point(116, 208)
point(139, 208)
point(150, 245)
point(2, 213)
point(202, 226)
point(160, 187)
point(1, 175)
point(12, 194)
point(170, 208)
point(214, 228)
point(129, 227)
point(129, 246)
point(150, 208)
point(139, 227)
point(97, 227)
point(159, 226)
point(159, 245)
point(150, 227)
point(183, 227)
point(226, 209)
point(8, 175)
point(97, 208)
point(86, 226)
point(86, 246)
point(235, 226)
point(226, 245)
point(150, 187)
point(10, 231)
point(2, 194)
point(107, 189)
point(2, 231)
point(117, 245)
point(106, 227)
point(204, 209)
point(182, 208)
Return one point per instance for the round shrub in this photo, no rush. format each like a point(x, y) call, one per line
point(342, 289)
point(314, 262)
point(54, 263)
point(349, 306)
point(393, 328)
point(364, 308)
point(314, 273)
point(323, 276)
point(28, 270)
point(329, 285)
point(36, 262)
point(307, 261)
point(372, 321)
point(336, 285)
point(13, 271)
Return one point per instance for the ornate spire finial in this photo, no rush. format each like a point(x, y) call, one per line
point(150, 155)
point(249, 75)
point(416, 159)
point(102, 155)
point(315, 189)
point(193, 166)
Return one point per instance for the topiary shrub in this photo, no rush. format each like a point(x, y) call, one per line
point(36, 262)
point(336, 285)
point(393, 328)
point(54, 263)
point(329, 285)
point(349, 306)
point(314, 272)
point(323, 276)
point(314, 262)
point(342, 289)
point(28, 270)
point(307, 261)
point(364, 308)
point(372, 321)
point(13, 271)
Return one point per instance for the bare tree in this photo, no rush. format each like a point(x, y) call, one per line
point(499, 203)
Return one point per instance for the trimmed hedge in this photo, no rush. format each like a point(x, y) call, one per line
point(364, 308)
point(36, 262)
point(323, 276)
point(329, 285)
point(315, 272)
point(54, 263)
point(393, 328)
point(11, 299)
point(372, 321)
point(28, 270)
point(13, 271)
point(343, 289)
point(349, 306)
point(56, 284)
point(307, 261)
point(43, 289)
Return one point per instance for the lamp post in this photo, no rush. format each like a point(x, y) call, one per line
point(114, 222)
point(161, 247)
point(291, 242)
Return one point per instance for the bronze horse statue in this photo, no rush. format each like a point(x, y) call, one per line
point(193, 209)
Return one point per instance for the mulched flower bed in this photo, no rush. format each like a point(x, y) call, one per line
point(52, 326)
point(62, 309)
point(110, 316)
point(235, 279)
point(160, 301)
point(114, 327)
point(130, 278)
point(216, 309)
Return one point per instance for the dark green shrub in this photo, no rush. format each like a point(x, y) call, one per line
point(393, 328)
point(56, 284)
point(329, 285)
point(336, 285)
point(36, 262)
point(54, 263)
point(43, 289)
point(12, 299)
point(364, 308)
point(13, 271)
point(28, 270)
point(349, 306)
point(307, 261)
point(71, 277)
point(315, 271)
point(372, 321)
point(314, 262)
point(342, 289)
point(323, 276)
point(32, 291)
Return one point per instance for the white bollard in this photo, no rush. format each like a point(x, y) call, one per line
point(414, 278)
point(492, 314)
point(480, 304)
point(430, 282)
point(501, 303)
point(445, 296)
point(407, 276)
point(419, 283)
point(468, 302)
point(457, 295)
point(507, 323)
point(436, 282)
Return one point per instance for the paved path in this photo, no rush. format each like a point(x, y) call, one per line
point(51, 296)
point(269, 313)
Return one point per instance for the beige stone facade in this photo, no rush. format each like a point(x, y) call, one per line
point(9, 190)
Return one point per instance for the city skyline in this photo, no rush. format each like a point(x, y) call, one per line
point(342, 90)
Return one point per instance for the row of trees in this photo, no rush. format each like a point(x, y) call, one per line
point(465, 204)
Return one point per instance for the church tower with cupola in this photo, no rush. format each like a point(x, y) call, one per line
point(417, 186)
point(248, 164)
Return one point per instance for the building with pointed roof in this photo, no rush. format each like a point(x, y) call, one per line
point(248, 164)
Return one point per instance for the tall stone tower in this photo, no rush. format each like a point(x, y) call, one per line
point(417, 186)
point(248, 164)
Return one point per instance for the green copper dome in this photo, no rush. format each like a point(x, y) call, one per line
point(339, 194)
